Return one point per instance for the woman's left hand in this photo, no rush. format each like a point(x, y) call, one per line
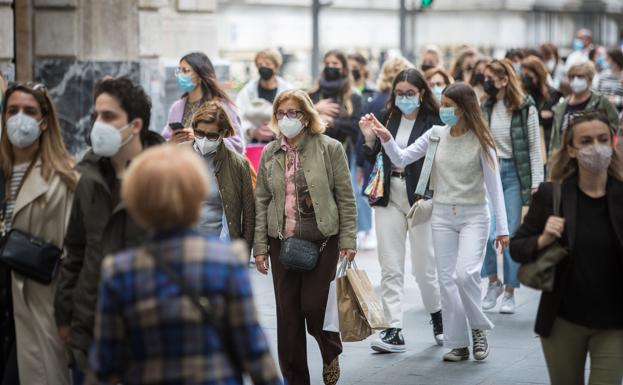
point(502, 242)
point(349, 253)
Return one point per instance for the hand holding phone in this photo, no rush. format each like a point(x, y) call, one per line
point(176, 126)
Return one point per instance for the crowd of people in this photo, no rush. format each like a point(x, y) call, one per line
point(149, 283)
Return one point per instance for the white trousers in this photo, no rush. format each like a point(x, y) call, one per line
point(391, 234)
point(460, 235)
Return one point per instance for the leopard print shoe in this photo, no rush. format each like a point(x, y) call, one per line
point(331, 372)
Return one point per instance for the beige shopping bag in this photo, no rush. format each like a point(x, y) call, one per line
point(353, 324)
point(366, 298)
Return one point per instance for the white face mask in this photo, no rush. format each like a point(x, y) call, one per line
point(290, 127)
point(578, 85)
point(106, 139)
point(551, 64)
point(23, 130)
point(206, 146)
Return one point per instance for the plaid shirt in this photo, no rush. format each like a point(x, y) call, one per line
point(147, 332)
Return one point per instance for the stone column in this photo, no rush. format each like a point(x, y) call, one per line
point(7, 38)
point(77, 42)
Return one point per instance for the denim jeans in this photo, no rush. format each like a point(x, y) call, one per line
point(364, 212)
point(512, 199)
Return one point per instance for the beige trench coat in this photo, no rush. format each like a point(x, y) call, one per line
point(42, 209)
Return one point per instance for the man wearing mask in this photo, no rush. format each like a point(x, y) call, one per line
point(99, 224)
point(581, 99)
point(582, 45)
point(255, 99)
point(359, 70)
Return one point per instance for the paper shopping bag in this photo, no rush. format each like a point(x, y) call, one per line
point(353, 323)
point(366, 298)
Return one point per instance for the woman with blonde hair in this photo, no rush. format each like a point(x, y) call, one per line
point(177, 283)
point(38, 186)
point(583, 314)
point(303, 196)
point(464, 171)
point(514, 123)
point(229, 209)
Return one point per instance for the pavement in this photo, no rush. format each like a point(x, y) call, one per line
point(515, 357)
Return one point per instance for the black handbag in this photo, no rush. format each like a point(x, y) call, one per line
point(300, 255)
point(30, 256)
point(540, 273)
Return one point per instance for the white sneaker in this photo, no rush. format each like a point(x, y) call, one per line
point(508, 304)
point(493, 292)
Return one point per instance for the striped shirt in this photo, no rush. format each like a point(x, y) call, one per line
point(610, 85)
point(19, 170)
point(501, 128)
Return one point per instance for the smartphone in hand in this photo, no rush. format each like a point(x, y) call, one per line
point(176, 126)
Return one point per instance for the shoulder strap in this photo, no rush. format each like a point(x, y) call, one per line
point(556, 195)
point(202, 303)
point(420, 190)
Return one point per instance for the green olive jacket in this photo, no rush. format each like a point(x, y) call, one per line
point(325, 166)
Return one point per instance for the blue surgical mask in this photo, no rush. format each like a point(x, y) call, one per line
point(602, 63)
point(578, 44)
point(185, 82)
point(517, 67)
point(407, 104)
point(448, 116)
point(437, 91)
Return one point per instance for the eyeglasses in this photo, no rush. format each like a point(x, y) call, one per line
point(408, 94)
point(292, 114)
point(210, 136)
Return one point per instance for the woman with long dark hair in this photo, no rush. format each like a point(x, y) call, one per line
point(583, 314)
point(411, 111)
point(514, 123)
point(196, 78)
point(464, 170)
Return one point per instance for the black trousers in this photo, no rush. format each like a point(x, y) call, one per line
point(302, 299)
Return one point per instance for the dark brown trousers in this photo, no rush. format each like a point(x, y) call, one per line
point(302, 299)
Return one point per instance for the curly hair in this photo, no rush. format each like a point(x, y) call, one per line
point(132, 98)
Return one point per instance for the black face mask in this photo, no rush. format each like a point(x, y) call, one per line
point(479, 79)
point(266, 73)
point(528, 84)
point(490, 89)
point(356, 74)
point(426, 67)
point(332, 73)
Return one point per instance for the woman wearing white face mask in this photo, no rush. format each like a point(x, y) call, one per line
point(229, 211)
point(303, 193)
point(582, 99)
point(583, 314)
point(38, 183)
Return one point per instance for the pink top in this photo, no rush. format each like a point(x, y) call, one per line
point(292, 165)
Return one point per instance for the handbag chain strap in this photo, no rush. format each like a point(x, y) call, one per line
point(420, 190)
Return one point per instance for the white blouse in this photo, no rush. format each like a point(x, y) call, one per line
point(455, 184)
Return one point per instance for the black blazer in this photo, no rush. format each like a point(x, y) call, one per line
point(523, 244)
point(423, 123)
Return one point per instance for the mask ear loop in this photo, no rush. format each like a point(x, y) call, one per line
point(129, 138)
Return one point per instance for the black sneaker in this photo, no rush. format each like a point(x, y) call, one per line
point(390, 341)
point(481, 346)
point(435, 320)
point(456, 355)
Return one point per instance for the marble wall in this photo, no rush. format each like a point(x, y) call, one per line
point(70, 84)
